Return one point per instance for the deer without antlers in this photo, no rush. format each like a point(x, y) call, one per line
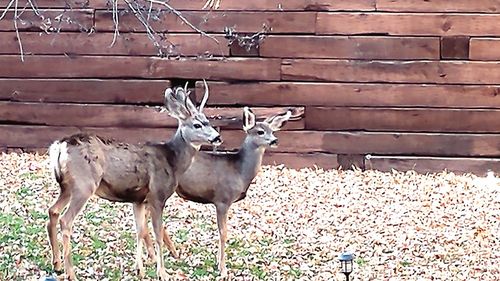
point(144, 175)
point(224, 178)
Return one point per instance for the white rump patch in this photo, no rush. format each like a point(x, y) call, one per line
point(58, 155)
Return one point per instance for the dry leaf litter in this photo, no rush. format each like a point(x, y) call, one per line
point(292, 226)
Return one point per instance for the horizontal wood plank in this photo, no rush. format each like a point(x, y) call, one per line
point(301, 160)
point(267, 5)
point(132, 44)
point(115, 91)
point(440, 72)
point(216, 21)
point(478, 166)
point(408, 24)
point(22, 136)
point(344, 47)
point(485, 49)
point(53, 3)
point(75, 20)
point(430, 144)
point(124, 116)
point(138, 67)
point(376, 143)
point(479, 6)
point(403, 120)
point(355, 94)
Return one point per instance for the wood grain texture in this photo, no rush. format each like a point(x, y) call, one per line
point(345, 47)
point(485, 49)
point(116, 91)
point(376, 143)
point(440, 72)
point(53, 3)
point(403, 120)
point(268, 5)
point(216, 21)
point(352, 94)
point(54, 114)
point(422, 24)
point(301, 160)
point(430, 144)
point(480, 6)
point(139, 67)
point(455, 47)
point(29, 21)
point(478, 166)
point(131, 44)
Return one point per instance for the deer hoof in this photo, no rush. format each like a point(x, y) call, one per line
point(162, 274)
point(58, 268)
point(175, 255)
point(140, 272)
point(72, 277)
point(223, 273)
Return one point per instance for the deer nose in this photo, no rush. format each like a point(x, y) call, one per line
point(216, 141)
point(274, 142)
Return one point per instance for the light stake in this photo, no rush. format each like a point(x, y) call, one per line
point(346, 264)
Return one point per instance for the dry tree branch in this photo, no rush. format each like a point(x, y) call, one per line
point(115, 22)
point(212, 4)
point(16, 17)
point(149, 29)
point(179, 14)
point(143, 10)
point(7, 8)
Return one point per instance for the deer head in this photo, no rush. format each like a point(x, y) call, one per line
point(262, 133)
point(194, 126)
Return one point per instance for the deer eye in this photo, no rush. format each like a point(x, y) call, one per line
point(260, 133)
point(197, 126)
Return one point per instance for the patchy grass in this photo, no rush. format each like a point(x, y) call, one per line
point(291, 226)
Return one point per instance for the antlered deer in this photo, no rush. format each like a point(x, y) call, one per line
point(223, 178)
point(144, 175)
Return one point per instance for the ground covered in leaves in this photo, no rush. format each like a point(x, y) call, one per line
point(292, 226)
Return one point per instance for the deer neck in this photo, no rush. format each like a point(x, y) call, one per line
point(251, 159)
point(183, 152)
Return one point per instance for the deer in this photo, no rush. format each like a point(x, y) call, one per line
point(145, 175)
point(222, 179)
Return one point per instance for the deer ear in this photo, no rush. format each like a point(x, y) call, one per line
point(175, 101)
point(277, 121)
point(248, 119)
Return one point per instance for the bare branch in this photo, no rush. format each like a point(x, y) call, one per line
point(7, 8)
point(149, 30)
point(215, 4)
point(115, 22)
point(246, 41)
point(179, 14)
point(16, 18)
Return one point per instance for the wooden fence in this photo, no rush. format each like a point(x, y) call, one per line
point(403, 84)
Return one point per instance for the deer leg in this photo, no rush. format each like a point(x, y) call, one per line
point(75, 206)
point(148, 242)
point(142, 233)
point(156, 213)
point(54, 213)
point(166, 239)
point(169, 243)
point(222, 225)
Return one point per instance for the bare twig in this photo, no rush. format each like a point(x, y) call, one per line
point(16, 18)
point(7, 8)
point(179, 14)
point(149, 30)
point(246, 41)
point(115, 22)
point(145, 11)
point(215, 4)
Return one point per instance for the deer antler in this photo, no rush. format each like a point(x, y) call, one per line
point(205, 96)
